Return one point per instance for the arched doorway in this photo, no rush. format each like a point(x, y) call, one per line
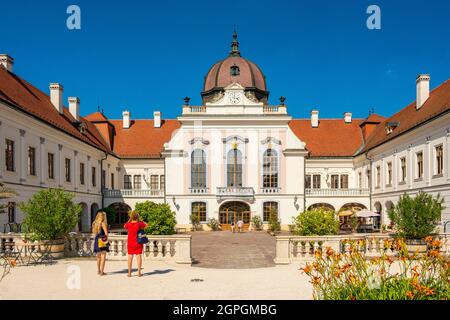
point(232, 212)
point(94, 209)
point(326, 206)
point(121, 210)
point(84, 222)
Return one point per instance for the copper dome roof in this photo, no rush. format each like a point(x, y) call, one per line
point(235, 68)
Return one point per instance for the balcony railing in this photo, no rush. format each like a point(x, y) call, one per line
point(198, 190)
point(235, 192)
point(274, 109)
point(270, 190)
point(132, 193)
point(337, 192)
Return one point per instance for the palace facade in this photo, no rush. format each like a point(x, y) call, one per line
point(233, 157)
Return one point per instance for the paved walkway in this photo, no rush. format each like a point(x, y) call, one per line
point(227, 250)
point(160, 281)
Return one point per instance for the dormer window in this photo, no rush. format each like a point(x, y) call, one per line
point(234, 70)
point(390, 126)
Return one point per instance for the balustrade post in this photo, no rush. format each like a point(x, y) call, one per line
point(183, 250)
point(282, 250)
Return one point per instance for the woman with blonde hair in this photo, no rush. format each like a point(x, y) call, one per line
point(101, 245)
point(134, 247)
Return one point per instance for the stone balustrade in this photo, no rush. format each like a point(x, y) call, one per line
point(302, 248)
point(176, 248)
point(333, 192)
point(132, 193)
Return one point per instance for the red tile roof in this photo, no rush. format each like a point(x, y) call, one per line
point(332, 138)
point(142, 140)
point(20, 94)
point(408, 118)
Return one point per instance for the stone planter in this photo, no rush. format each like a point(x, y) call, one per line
point(57, 247)
point(416, 246)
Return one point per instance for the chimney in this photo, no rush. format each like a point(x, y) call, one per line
point(314, 118)
point(126, 119)
point(7, 62)
point(56, 96)
point(74, 107)
point(348, 117)
point(157, 119)
point(422, 89)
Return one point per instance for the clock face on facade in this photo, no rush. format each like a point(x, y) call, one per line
point(235, 97)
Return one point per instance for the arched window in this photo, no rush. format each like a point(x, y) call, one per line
point(270, 169)
point(199, 209)
point(198, 169)
point(269, 208)
point(234, 168)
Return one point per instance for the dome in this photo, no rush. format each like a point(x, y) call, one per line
point(232, 69)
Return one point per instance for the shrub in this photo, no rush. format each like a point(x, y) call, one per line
point(351, 276)
point(159, 218)
point(50, 214)
point(195, 221)
point(213, 224)
point(257, 222)
point(274, 222)
point(316, 222)
point(416, 218)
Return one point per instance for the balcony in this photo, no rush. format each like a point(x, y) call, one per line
point(235, 192)
point(199, 190)
point(270, 190)
point(132, 193)
point(352, 192)
point(281, 109)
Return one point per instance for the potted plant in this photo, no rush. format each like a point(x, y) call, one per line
point(274, 223)
point(257, 223)
point(195, 221)
point(50, 216)
point(416, 218)
point(213, 223)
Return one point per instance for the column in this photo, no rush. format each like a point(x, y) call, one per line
point(75, 164)
point(411, 166)
point(395, 170)
point(60, 166)
point(22, 157)
point(42, 174)
point(383, 174)
point(88, 174)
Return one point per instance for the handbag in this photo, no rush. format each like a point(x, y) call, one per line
point(141, 237)
point(103, 242)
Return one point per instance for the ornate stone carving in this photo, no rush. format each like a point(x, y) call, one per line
point(251, 96)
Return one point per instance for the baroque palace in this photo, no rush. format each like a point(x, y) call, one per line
point(231, 158)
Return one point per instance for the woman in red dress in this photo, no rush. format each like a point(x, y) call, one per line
point(134, 248)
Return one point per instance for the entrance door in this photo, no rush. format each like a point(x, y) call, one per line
point(232, 212)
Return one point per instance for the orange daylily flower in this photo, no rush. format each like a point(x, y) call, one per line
point(410, 294)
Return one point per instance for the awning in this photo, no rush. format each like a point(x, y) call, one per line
point(367, 214)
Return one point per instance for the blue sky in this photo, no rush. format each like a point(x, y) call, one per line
point(148, 55)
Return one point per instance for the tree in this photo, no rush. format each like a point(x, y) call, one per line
point(195, 221)
point(274, 221)
point(110, 214)
point(160, 219)
point(316, 222)
point(416, 218)
point(50, 214)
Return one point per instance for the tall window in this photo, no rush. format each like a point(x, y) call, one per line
point(268, 209)
point(11, 212)
point(419, 158)
point(51, 165)
point(316, 181)
point(154, 182)
point(127, 181)
point(137, 182)
point(270, 169)
point(9, 155)
point(162, 182)
point(103, 179)
point(112, 181)
point(334, 181)
point(94, 176)
point(344, 181)
point(82, 173)
point(199, 209)
point(439, 159)
point(308, 181)
point(389, 173)
point(234, 168)
point(198, 169)
point(31, 161)
point(67, 169)
point(378, 181)
point(403, 169)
